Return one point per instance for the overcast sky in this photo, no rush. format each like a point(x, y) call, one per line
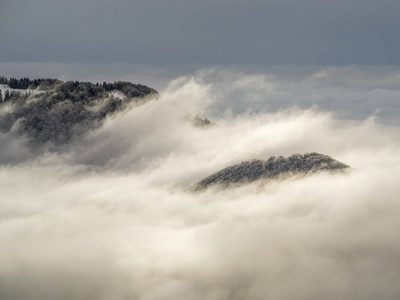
point(167, 32)
point(110, 215)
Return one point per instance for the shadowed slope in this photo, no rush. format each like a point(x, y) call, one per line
point(67, 110)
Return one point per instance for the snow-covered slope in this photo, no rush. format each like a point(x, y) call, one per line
point(5, 87)
point(118, 95)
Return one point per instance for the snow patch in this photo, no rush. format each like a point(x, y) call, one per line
point(5, 87)
point(117, 94)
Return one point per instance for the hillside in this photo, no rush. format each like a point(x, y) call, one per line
point(274, 167)
point(53, 111)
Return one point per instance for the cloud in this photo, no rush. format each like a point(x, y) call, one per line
point(174, 32)
point(110, 217)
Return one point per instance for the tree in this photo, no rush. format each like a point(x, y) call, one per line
point(6, 95)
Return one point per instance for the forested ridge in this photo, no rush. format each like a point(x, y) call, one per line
point(53, 111)
point(274, 167)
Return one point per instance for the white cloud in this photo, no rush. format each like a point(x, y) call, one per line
point(110, 218)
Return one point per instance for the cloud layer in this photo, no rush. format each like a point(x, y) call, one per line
point(110, 217)
point(267, 32)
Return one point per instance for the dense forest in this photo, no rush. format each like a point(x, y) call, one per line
point(64, 109)
point(274, 167)
point(26, 83)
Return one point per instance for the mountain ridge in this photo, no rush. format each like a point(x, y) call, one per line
point(63, 110)
point(272, 168)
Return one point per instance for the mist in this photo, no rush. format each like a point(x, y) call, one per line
point(111, 214)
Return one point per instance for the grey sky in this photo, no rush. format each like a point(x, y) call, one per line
point(269, 32)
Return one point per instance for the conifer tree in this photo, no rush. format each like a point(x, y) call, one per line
point(6, 95)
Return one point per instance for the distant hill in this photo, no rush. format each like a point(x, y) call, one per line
point(53, 111)
point(274, 167)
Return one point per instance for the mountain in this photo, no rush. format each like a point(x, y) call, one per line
point(53, 111)
point(274, 167)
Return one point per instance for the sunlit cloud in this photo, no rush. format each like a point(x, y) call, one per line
point(111, 216)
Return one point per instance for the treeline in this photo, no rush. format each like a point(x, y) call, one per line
point(26, 83)
point(129, 89)
point(74, 91)
point(85, 91)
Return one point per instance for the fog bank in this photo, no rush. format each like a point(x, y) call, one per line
point(110, 216)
